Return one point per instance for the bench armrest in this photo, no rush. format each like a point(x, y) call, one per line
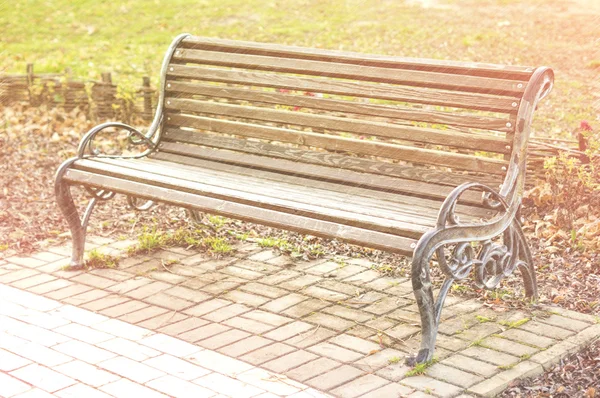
point(87, 147)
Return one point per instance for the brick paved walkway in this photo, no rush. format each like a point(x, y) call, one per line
point(253, 325)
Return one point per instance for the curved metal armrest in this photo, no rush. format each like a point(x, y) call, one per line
point(134, 137)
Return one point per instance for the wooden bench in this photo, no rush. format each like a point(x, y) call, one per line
point(379, 151)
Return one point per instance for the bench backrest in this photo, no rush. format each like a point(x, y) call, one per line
point(378, 114)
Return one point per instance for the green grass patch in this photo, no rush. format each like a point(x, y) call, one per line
point(514, 324)
point(97, 259)
point(421, 368)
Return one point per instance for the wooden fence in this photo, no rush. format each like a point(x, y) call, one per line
point(99, 98)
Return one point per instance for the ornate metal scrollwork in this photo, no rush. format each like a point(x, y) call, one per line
point(138, 203)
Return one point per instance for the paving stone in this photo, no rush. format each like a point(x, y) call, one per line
point(264, 255)
point(542, 329)
point(203, 332)
point(127, 388)
point(251, 299)
point(86, 373)
point(271, 383)
point(206, 307)
point(267, 353)
point(187, 271)
point(244, 346)
point(267, 317)
point(280, 276)
point(403, 331)
point(130, 285)
point(114, 274)
point(94, 280)
point(589, 318)
point(452, 375)
point(479, 331)
point(471, 365)
point(289, 361)
point(86, 297)
point(337, 286)
point(385, 357)
point(47, 257)
point(381, 323)
point(348, 313)
point(433, 386)
point(122, 329)
point(219, 363)
point(564, 323)
point(395, 371)
point(223, 339)
point(182, 326)
point(148, 289)
point(488, 355)
point(281, 261)
point(508, 346)
point(84, 351)
point(129, 349)
point(30, 332)
point(229, 386)
point(360, 386)
point(386, 304)
point(312, 369)
point(356, 344)
point(362, 332)
point(406, 316)
point(176, 367)
point(241, 272)
point(496, 384)
point(143, 314)
point(105, 302)
point(282, 303)
point(335, 352)
point(365, 299)
point(167, 301)
point(51, 286)
point(390, 390)
point(227, 312)
point(73, 314)
point(162, 320)
point(10, 361)
point(167, 277)
point(29, 262)
point(335, 377)
point(586, 336)
point(451, 343)
point(33, 281)
point(362, 277)
point(125, 308)
point(323, 268)
point(249, 325)
point(175, 387)
point(83, 333)
point(68, 291)
point(329, 321)
point(554, 354)
point(305, 308)
point(195, 259)
point(42, 377)
point(288, 331)
point(300, 282)
point(310, 338)
point(223, 286)
point(170, 345)
point(527, 338)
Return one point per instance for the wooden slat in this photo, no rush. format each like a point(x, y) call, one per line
point(278, 189)
point(384, 183)
point(243, 212)
point(434, 65)
point(332, 160)
point(359, 194)
point(445, 81)
point(349, 88)
point(355, 126)
point(234, 195)
point(339, 144)
point(177, 88)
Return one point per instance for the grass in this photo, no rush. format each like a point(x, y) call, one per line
point(97, 259)
point(127, 38)
point(152, 240)
point(514, 324)
point(420, 368)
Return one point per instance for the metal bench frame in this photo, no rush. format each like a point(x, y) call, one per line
point(491, 261)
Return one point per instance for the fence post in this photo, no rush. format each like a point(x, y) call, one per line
point(147, 92)
point(32, 99)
